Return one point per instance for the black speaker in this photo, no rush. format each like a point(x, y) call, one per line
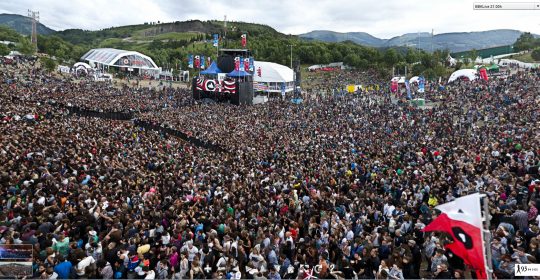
point(226, 63)
point(298, 75)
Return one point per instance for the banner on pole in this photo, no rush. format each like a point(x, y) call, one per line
point(237, 63)
point(216, 40)
point(251, 64)
point(203, 62)
point(190, 61)
point(246, 64)
point(197, 62)
point(244, 40)
point(421, 84)
point(408, 90)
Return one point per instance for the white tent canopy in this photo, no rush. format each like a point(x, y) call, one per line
point(468, 73)
point(272, 72)
point(273, 76)
point(81, 64)
point(413, 80)
point(399, 80)
point(119, 58)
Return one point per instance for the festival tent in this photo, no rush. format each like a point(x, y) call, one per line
point(272, 76)
point(493, 68)
point(81, 64)
point(467, 73)
point(399, 80)
point(272, 72)
point(451, 61)
point(212, 70)
point(413, 80)
point(237, 73)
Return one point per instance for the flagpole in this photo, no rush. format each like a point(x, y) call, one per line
point(486, 235)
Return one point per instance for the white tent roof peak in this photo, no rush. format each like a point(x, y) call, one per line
point(469, 73)
point(272, 72)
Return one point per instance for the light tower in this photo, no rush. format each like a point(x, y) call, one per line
point(35, 19)
point(225, 26)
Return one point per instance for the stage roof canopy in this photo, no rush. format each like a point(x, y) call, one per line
point(212, 70)
point(119, 58)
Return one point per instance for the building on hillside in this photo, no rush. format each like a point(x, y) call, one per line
point(132, 62)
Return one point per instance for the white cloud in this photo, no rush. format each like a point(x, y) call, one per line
point(380, 18)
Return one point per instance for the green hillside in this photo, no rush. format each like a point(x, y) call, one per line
point(23, 25)
point(169, 44)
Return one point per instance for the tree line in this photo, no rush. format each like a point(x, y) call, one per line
point(265, 43)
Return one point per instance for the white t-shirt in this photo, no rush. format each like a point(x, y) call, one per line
point(165, 239)
point(192, 252)
point(150, 275)
point(81, 266)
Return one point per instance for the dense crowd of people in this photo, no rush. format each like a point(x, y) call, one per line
point(339, 186)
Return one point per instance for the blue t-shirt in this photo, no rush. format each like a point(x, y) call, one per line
point(63, 270)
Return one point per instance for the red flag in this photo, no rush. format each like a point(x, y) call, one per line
point(462, 220)
point(244, 40)
point(483, 74)
point(246, 64)
point(197, 61)
point(394, 86)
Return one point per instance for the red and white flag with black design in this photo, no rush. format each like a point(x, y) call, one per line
point(244, 40)
point(462, 219)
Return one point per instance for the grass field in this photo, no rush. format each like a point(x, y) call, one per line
point(166, 36)
point(526, 57)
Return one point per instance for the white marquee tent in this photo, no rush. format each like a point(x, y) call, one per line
point(273, 75)
point(399, 80)
point(468, 73)
point(414, 80)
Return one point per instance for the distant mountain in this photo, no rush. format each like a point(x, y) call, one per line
point(361, 38)
point(455, 42)
point(23, 25)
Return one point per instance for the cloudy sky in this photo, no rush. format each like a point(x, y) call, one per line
point(383, 19)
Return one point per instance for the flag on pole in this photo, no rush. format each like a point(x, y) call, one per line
point(251, 64)
point(483, 74)
point(237, 63)
point(203, 62)
point(190, 61)
point(244, 40)
point(246, 64)
point(197, 62)
point(408, 90)
point(216, 40)
point(462, 220)
point(421, 84)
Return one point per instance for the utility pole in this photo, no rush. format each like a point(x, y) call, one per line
point(418, 40)
point(35, 19)
point(432, 40)
point(291, 54)
point(225, 27)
